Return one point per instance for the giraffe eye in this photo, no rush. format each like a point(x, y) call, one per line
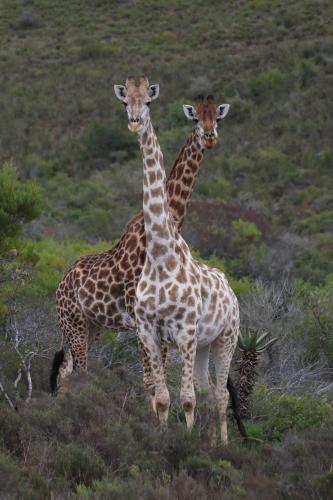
point(125, 104)
point(148, 103)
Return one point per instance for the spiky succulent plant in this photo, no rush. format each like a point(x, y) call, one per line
point(251, 344)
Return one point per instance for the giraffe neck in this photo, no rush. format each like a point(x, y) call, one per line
point(155, 207)
point(183, 176)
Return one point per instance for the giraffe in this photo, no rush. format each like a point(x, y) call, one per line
point(179, 301)
point(98, 291)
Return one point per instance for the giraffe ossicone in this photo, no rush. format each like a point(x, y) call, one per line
point(179, 301)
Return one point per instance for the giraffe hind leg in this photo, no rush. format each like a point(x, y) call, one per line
point(76, 336)
point(204, 385)
point(222, 350)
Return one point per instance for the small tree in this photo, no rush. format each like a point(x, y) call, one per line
point(20, 201)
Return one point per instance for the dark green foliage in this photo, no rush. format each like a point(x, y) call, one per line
point(105, 141)
point(17, 482)
point(79, 465)
point(19, 202)
point(101, 441)
point(323, 484)
point(317, 322)
point(287, 412)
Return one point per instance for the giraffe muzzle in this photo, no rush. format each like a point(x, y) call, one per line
point(134, 124)
point(210, 141)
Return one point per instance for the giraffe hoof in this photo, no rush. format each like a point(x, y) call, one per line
point(163, 421)
point(162, 412)
point(188, 407)
point(189, 420)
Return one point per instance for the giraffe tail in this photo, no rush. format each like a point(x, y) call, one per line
point(235, 407)
point(56, 364)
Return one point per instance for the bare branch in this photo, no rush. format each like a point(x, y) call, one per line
point(9, 401)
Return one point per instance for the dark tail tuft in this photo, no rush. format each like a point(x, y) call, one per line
point(57, 361)
point(235, 407)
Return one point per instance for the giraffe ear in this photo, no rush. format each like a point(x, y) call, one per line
point(120, 92)
point(190, 112)
point(222, 111)
point(154, 91)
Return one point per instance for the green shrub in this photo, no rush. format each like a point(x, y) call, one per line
point(104, 140)
point(51, 259)
point(219, 473)
point(271, 83)
point(80, 465)
point(20, 201)
point(317, 223)
point(241, 286)
point(94, 50)
point(17, 482)
point(118, 489)
point(306, 73)
point(245, 232)
point(316, 325)
point(280, 413)
point(323, 484)
point(275, 169)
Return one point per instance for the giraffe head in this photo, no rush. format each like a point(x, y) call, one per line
point(207, 115)
point(137, 99)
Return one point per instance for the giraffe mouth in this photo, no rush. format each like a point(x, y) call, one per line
point(210, 143)
point(135, 126)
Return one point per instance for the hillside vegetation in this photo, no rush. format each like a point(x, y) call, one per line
point(262, 211)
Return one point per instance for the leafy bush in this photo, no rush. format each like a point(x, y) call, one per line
point(316, 324)
point(104, 140)
point(280, 413)
point(120, 489)
point(323, 484)
point(219, 473)
point(20, 201)
point(317, 223)
point(101, 441)
point(245, 232)
point(16, 482)
point(80, 465)
point(270, 83)
point(28, 20)
point(51, 259)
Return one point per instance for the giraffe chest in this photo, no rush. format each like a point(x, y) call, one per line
point(168, 307)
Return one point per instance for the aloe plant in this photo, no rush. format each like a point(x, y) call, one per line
point(251, 345)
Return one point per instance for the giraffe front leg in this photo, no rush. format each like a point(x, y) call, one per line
point(187, 349)
point(154, 355)
point(148, 383)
